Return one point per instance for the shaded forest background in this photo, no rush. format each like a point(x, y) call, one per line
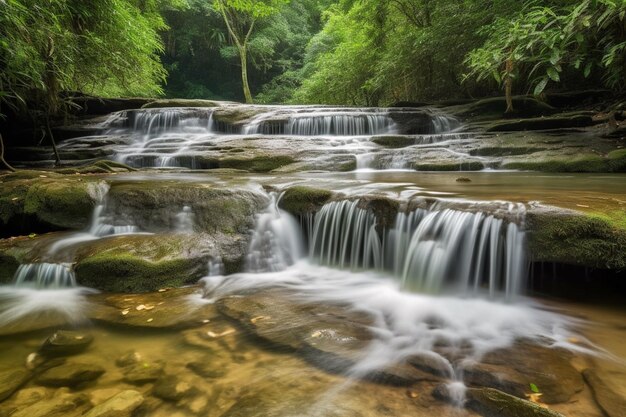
point(354, 52)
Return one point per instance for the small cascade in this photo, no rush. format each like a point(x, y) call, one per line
point(45, 275)
point(428, 250)
point(276, 242)
point(321, 124)
point(153, 123)
point(345, 235)
point(101, 224)
point(185, 220)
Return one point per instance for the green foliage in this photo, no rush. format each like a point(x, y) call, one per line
point(545, 40)
point(107, 48)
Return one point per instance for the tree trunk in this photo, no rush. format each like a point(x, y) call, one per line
point(243, 55)
point(3, 162)
point(508, 86)
point(54, 145)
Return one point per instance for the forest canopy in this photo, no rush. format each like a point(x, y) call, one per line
point(355, 52)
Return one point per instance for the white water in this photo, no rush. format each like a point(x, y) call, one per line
point(427, 250)
point(45, 275)
point(276, 242)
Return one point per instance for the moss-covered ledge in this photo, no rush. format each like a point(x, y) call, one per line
point(575, 238)
point(300, 200)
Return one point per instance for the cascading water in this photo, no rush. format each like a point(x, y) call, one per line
point(427, 250)
point(277, 240)
point(45, 275)
point(319, 123)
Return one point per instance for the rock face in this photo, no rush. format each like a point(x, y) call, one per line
point(120, 405)
point(71, 374)
point(40, 201)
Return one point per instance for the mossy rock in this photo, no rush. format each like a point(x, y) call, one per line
point(165, 103)
point(152, 205)
point(264, 163)
point(394, 141)
point(27, 174)
point(100, 167)
point(449, 166)
point(300, 200)
point(143, 263)
point(46, 203)
point(576, 239)
point(615, 162)
point(542, 123)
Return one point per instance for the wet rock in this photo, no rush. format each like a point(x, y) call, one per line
point(65, 343)
point(62, 405)
point(207, 369)
point(121, 405)
point(172, 388)
point(395, 141)
point(29, 396)
point(543, 123)
point(490, 402)
point(45, 204)
point(144, 263)
point(168, 308)
point(513, 370)
point(164, 103)
point(143, 373)
point(11, 380)
point(612, 403)
point(71, 374)
point(463, 179)
point(99, 396)
point(569, 237)
point(129, 358)
point(300, 200)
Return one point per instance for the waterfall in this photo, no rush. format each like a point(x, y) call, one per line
point(185, 220)
point(335, 124)
point(45, 275)
point(101, 225)
point(428, 250)
point(276, 242)
point(345, 235)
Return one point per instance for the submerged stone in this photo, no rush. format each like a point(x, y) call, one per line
point(120, 405)
point(490, 402)
point(172, 388)
point(71, 374)
point(143, 373)
point(612, 403)
point(65, 343)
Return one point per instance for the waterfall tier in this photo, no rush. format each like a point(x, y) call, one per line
point(45, 275)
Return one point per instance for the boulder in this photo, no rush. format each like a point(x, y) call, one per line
point(120, 405)
point(70, 374)
point(173, 388)
point(62, 405)
point(143, 373)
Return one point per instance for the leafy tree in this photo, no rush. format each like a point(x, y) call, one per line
point(538, 45)
point(240, 17)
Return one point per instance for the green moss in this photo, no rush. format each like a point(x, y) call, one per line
point(27, 175)
point(617, 160)
point(300, 200)
point(8, 266)
point(140, 263)
point(461, 166)
point(126, 273)
point(60, 203)
point(577, 239)
point(394, 141)
point(258, 163)
point(100, 167)
point(586, 163)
